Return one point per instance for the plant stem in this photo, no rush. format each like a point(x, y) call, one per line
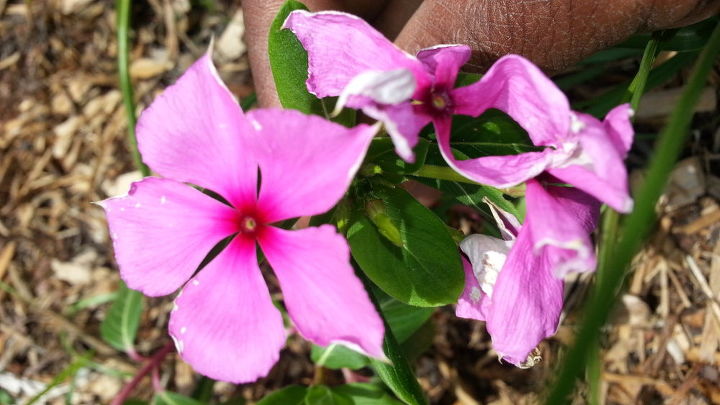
point(152, 364)
point(123, 56)
point(442, 173)
point(637, 226)
point(611, 218)
point(447, 173)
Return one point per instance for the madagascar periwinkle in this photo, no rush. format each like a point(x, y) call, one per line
point(270, 165)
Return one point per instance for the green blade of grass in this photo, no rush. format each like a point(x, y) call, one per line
point(123, 57)
point(637, 226)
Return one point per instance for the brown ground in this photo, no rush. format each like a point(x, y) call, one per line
point(62, 139)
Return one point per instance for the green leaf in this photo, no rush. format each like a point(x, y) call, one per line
point(382, 154)
point(121, 322)
point(466, 79)
point(322, 395)
point(492, 133)
point(290, 395)
point(289, 65)
point(172, 398)
point(600, 105)
point(690, 38)
point(366, 394)
point(426, 269)
point(336, 356)
point(403, 319)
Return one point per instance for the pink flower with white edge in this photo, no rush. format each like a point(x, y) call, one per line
point(350, 59)
point(269, 165)
point(510, 284)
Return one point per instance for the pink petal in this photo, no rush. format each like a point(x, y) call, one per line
point(161, 232)
point(562, 220)
point(619, 128)
point(600, 169)
point(516, 86)
point(306, 162)
point(324, 298)
point(496, 171)
point(194, 131)
point(444, 61)
point(473, 302)
point(341, 46)
point(402, 125)
point(526, 302)
point(224, 323)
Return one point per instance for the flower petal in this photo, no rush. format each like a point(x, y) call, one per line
point(473, 302)
point(496, 171)
point(324, 298)
point(562, 220)
point(526, 302)
point(402, 124)
point(161, 232)
point(516, 86)
point(224, 323)
point(341, 46)
point(599, 170)
point(445, 62)
point(487, 256)
point(619, 128)
point(306, 162)
point(194, 132)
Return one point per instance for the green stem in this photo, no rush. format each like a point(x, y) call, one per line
point(397, 374)
point(611, 218)
point(637, 226)
point(449, 174)
point(441, 173)
point(123, 22)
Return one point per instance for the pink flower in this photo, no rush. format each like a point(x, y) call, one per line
point(350, 59)
point(269, 165)
point(580, 149)
point(511, 283)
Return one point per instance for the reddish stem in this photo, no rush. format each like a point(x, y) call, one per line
point(152, 364)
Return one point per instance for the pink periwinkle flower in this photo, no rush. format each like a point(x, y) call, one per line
point(269, 165)
point(510, 284)
point(349, 58)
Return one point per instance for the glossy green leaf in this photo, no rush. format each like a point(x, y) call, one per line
point(290, 395)
point(323, 395)
point(426, 269)
point(289, 65)
point(121, 322)
point(382, 154)
point(403, 319)
point(172, 398)
point(366, 394)
point(492, 133)
point(336, 356)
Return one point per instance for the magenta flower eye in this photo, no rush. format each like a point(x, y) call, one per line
point(224, 323)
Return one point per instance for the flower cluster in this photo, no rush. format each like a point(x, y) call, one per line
point(268, 165)
point(514, 284)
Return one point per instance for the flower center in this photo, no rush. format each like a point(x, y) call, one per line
point(439, 101)
point(248, 224)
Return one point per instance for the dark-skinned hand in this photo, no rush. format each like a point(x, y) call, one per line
point(554, 34)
